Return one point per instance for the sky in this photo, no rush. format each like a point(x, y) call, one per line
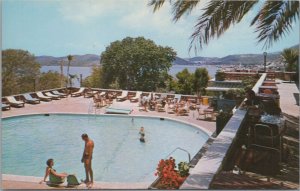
point(63, 27)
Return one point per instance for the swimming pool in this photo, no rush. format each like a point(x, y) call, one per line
point(119, 156)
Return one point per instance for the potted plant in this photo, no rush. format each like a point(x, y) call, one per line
point(221, 120)
point(168, 176)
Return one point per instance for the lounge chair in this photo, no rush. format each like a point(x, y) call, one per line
point(123, 96)
point(160, 107)
point(102, 93)
point(171, 108)
point(183, 110)
point(161, 97)
point(78, 93)
point(52, 96)
point(31, 100)
point(99, 101)
point(149, 97)
point(90, 94)
point(5, 107)
point(201, 114)
point(41, 96)
point(156, 96)
point(13, 102)
point(136, 97)
point(55, 92)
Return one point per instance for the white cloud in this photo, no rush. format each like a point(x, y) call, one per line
point(82, 11)
point(143, 18)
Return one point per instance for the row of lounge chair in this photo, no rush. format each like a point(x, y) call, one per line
point(125, 95)
point(39, 96)
point(27, 98)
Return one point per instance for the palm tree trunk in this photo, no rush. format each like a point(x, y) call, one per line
point(61, 74)
point(68, 73)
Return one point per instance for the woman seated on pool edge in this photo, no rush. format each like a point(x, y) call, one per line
point(54, 177)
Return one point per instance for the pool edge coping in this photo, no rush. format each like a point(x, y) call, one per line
point(97, 184)
point(104, 185)
point(206, 131)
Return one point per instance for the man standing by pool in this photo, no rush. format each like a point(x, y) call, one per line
point(87, 159)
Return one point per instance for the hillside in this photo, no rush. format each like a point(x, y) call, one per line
point(180, 61)
point(92, 59)
point(86, 60)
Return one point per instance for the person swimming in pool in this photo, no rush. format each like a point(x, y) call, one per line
point(142, 133)
point(142, 138)
point(54, 177)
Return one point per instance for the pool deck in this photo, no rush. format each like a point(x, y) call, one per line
point(288, 103)
point(81, 105)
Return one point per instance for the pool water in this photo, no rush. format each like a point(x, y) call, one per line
point(119, 156)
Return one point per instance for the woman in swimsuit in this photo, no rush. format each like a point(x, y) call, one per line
point(53, 175)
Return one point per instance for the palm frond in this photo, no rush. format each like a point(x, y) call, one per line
point(218, 16)
point(157, 4)
point(275, 20)
point(181, 7)
point(290, 55)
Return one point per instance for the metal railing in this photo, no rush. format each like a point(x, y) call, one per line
point(179, 148)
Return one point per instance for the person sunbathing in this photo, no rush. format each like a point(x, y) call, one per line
point(152, 105)
point(172, 105)
point(145, 102)
point(54, 177)
point(182, 109)
point(160, 104)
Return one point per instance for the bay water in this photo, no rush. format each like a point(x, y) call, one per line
point(86, 71)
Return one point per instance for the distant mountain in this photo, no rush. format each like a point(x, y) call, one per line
point(86, 60)
point(296, 47)
point(92, 59)
point(247, 59)
point(78, 60)
point(203, 59)
point(180, 61)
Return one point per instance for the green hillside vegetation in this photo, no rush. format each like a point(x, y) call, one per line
point(21, 73)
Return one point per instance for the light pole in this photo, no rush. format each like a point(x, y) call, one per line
point(80, 80)
point(61, 62)
point(265, 61)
